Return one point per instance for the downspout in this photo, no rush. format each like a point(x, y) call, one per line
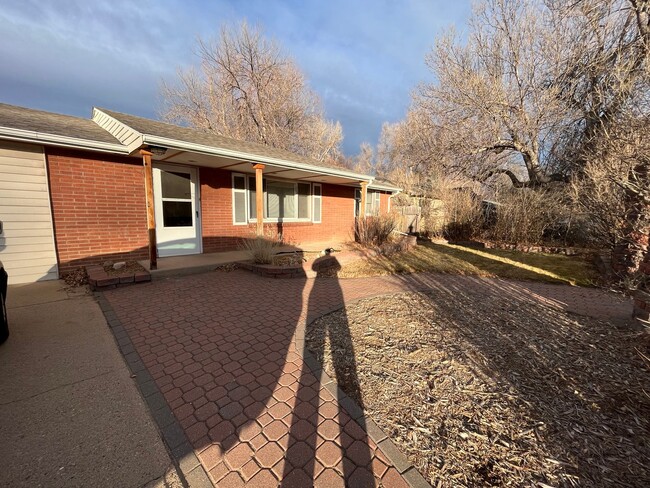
point(390, 198)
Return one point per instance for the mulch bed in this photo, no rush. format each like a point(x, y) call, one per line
point(131, 267)
point(499, 391)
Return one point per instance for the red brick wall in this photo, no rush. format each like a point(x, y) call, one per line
point(98, 206)
point(383, 202)
point(219, 233)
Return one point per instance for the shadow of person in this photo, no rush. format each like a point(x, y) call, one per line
point(326, 443)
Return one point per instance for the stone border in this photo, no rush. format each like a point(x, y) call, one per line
point(566, 251)
point(181, 452)
point(98, 279)
point(409, 472)
point(294, 271)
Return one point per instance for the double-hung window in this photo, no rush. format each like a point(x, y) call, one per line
point(373, 199)
point(284, 201)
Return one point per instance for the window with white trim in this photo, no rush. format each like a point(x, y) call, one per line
point(373, 202)
point(286, 201)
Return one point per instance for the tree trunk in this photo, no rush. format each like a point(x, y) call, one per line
point(536, 176)
point(631, 255)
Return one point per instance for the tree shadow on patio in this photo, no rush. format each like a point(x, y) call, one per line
point(563, 398)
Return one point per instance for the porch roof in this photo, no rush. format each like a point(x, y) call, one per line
point(183, 145)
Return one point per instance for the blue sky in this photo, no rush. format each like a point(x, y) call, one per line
point(362, 57)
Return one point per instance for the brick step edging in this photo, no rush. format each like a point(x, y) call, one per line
point(99, 279)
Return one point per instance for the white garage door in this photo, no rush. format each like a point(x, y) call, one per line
point(27, 237)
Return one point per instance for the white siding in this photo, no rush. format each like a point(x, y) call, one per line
point(27, 240)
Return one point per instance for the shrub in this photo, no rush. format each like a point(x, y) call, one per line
point(530, 216)
point(374, 231)
point(262, 248)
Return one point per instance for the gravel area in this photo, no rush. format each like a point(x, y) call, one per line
point(495, 390)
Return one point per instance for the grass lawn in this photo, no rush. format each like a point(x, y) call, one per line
point(453, 259)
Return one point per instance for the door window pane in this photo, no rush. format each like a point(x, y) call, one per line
point(175, 185)
point(177, 214)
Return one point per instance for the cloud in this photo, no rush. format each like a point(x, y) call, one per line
point(362, 57)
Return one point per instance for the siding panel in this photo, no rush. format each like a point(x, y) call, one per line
point(27, 242)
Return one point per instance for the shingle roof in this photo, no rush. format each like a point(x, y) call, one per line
point(32, 120)
point(197, 136)
point(383, 182)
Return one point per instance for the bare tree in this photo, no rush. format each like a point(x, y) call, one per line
point(606, 79)
point(248, 89)
point(364, 162)
point(603, 70)
point(492, 99)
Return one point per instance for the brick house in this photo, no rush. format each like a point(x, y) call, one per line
point(76, 191)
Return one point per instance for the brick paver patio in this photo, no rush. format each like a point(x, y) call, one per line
point(226, 351)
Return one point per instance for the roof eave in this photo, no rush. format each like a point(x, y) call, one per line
point(228, 153)
point(379, 186)
point(34, 137)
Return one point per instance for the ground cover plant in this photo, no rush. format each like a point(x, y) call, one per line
point(493, 388)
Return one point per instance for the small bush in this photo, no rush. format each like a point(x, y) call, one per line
point(262, 249)
point(459, 231)
point(530, 216)
point(392, 247)
point(374, 231)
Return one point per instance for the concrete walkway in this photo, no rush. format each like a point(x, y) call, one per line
point(70, 415)
point(225, 352)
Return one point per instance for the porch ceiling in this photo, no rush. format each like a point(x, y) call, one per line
point(246, 166)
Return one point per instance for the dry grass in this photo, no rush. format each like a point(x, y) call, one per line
point(261, 249)
point(492, 388)
point(452, 259)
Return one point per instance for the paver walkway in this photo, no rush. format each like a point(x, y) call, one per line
point(225, 349)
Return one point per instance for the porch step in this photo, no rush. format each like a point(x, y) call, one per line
point(193, 263)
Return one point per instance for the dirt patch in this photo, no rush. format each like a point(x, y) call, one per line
point(495, 390)
point(76, 278)
point(227, 268)
point(131, 267)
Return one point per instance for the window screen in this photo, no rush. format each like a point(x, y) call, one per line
point(303, 200)
point(239, 199)
point(280, 200)
point(318, 202)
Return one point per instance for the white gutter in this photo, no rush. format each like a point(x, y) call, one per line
point(228, 153)
point(21, 135)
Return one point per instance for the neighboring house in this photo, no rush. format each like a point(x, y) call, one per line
point(76, 191)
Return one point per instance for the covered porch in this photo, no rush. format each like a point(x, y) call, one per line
point(205, 192)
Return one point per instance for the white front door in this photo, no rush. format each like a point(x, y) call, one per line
point(177, 210)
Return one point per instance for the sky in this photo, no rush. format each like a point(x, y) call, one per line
point(363, 58)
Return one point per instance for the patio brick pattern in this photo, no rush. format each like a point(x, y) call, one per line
point(226, 352)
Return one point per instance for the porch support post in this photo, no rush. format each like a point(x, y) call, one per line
point(151, 216)
point(364, 197)
point(259, 199)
